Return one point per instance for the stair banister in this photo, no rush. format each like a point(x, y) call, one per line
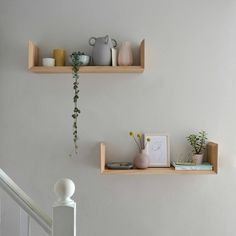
point(25, 202)
point(64, 209)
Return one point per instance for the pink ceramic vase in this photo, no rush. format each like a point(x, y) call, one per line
point(125, 56)
point(141, 160)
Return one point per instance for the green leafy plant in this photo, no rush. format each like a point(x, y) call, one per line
point(76, 63)
point(139, 140)
point(198, 141)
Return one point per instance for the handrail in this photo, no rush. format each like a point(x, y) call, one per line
point(25, 202)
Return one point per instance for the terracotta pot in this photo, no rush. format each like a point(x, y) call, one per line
point(197, 159)
point(141, 160)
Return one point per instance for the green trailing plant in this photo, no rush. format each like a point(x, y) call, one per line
point(76, 63)
point(139, 140)
point(198, 141)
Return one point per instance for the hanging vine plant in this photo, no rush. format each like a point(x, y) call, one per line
point(76, 63)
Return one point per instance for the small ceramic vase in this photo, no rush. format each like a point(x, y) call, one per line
point(141, 160)
point(197, 159)
point(114, 57)
point(125, 56)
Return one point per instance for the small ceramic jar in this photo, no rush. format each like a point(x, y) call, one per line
point(48, 62)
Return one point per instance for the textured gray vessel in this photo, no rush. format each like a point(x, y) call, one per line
point(102, 46)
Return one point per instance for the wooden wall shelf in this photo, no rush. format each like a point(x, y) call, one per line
point(212, 156)
point(33, 64)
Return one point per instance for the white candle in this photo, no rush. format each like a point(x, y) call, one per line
point(48, 62)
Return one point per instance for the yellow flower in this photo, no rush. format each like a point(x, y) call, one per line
point(131, 134)
point(139, 135)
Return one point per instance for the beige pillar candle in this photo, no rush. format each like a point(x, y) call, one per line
point(60, 56)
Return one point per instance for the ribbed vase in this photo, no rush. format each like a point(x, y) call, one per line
point(125, 56)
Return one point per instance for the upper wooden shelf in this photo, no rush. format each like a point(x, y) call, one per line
point(212, 157)
point(33, 64)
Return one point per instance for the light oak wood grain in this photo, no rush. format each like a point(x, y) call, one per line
point(212, 155)
point(33, 55)
point(212, 149)
point(142, 54)
point(87, 69)
point(102, 156)
point(33, 64)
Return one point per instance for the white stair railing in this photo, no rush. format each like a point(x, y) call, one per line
point(25, 202)
point(64, 209)
point(14, 220)
point(25, 224)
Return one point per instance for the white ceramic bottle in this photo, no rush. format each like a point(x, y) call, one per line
point(125, 56)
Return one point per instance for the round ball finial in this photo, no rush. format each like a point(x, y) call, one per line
point(64, 189)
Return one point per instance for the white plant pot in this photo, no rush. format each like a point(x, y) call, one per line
point(197, 159)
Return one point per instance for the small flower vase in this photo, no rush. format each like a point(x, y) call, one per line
point(125, 56)
point(141, 160)
point(197, 159)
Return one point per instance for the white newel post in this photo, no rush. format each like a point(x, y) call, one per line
point(64, 209)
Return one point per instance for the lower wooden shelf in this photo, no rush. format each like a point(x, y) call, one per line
point(212, 156)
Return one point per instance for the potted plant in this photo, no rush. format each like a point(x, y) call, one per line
point(81, 56)
point(76, 63)
point(198, 143)
point(77, 59)
point(141, 160)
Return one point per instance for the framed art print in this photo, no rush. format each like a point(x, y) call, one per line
point(158, 150)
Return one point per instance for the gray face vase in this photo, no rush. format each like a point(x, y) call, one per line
point(102, 46)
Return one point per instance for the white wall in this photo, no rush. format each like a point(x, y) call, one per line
point(188, 84)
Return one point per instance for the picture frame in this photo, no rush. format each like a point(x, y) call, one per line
point(158, 149)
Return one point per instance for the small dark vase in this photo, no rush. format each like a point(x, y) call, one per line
point(141, 160)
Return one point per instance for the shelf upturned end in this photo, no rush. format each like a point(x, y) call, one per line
point(142, 54)
point(33, 54)
point(103, 156)
point(212, 155)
